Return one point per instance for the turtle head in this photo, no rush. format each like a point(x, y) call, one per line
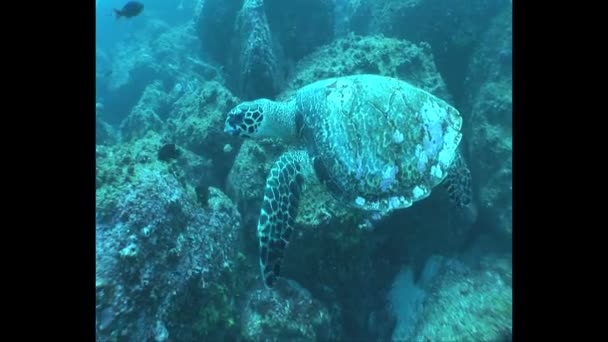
point(246, 119)
point(262, 118)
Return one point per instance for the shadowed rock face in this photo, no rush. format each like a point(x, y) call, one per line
point(235, 35)
point(289, 312)
point(300, 26)
point(489, 106)
point(257, 42)
point(453, 28)
point(215, 27)
point(258, 64)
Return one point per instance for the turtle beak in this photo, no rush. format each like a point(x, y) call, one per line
point(230, 129)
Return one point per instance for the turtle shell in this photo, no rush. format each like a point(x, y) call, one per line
point(376, 142)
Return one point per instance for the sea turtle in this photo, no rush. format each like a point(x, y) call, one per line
point(377, 143)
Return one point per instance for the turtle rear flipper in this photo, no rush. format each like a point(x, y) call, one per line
point(459, 188)
point(279, 211)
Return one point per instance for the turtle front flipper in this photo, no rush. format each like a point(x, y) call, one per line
point(459, 188)
point(279, 211)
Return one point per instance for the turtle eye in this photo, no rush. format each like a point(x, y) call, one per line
point(236, 119)
point(234, 122)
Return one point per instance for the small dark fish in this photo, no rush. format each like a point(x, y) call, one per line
point(168, 152)
point(129, 10)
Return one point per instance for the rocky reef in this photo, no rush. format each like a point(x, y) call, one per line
point(452, 28)
point(159, 243)
point(489, 108)
point(466, 303)
point(105, 134)
point(215, 27)
point(300, 26)
point(260, 74)
point(453, 301)
point(157, 53)
point(257, 42)
point(178, 199)
point(372, 55)
point(148, 114)
point(196, 122)
point(288, 312)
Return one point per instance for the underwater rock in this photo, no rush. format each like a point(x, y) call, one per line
point(288, 312)
point(148, 113)
point(466, 304)
point(157, 249)
point(300, 26)
point(202, 193)
point(489, 108)
point(215, 26)
point(371, 54)
point(117, 166)
point(196, 122)
point(258, 41)
point(452, 28)
point(258, 66)
point(155, 53)
point(105, 134)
